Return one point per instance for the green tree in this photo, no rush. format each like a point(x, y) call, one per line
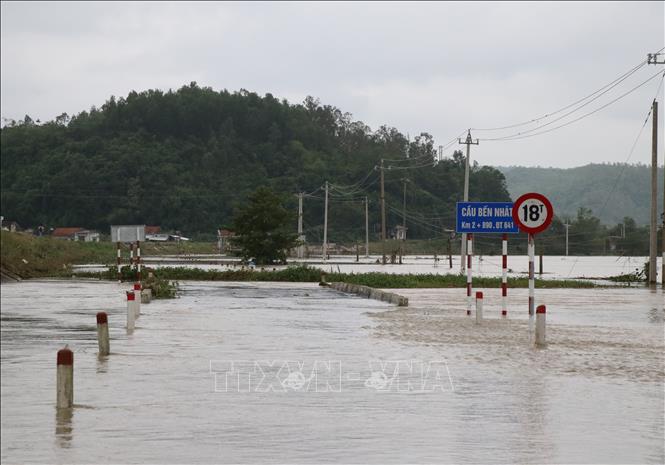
point(263, 228)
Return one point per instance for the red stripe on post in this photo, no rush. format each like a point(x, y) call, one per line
point(468, 289)
point(504, 263)
point(504, 289)
point(102, 318)
point(137, 286)
point(130, 295)
point(541, 309)
point(65, 357)
point(479, 295)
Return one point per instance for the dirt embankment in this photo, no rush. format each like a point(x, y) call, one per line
point(26, 256)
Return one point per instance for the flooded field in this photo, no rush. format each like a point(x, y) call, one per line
point(274, 373)
point(554, 267)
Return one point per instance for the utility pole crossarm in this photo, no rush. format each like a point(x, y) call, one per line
point(652, 59)
point(468, 140)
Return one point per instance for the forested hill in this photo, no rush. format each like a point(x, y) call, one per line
point(611, 191)
point(185, 159)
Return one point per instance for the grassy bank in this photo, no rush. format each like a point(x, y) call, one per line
point(31, 257)
point(378, 280)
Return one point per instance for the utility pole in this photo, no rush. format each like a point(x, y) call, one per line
point(567, 226)
point(653, 241)
point(325, 227)
point(383, 217)
point(468, 142)
point(301, 247)
point(404, 180)
point(366, 229)
point(653, 59)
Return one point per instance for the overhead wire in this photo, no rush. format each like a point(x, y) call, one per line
point(525, 135)
point(605, 88)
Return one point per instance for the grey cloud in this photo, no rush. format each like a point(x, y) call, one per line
point(435, 67)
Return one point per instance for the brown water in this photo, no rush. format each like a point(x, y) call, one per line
point(594, 395)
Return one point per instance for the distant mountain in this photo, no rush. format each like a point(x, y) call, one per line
point(611, 191)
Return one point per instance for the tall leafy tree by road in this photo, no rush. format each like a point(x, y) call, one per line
point(264, 228)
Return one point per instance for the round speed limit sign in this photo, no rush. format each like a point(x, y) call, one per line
point(533, 213)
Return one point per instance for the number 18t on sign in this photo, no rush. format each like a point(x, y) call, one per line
point(533, 213)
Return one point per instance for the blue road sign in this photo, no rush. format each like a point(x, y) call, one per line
point(485, 217)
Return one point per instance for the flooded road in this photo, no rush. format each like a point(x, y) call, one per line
point(214, 377)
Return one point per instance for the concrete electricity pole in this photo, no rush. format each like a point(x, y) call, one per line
point(654, 59)
point(653, 240)
point(366, 229)
point(468, 142)
point(383, 217)
point(404, 181)
point(567, 226)
point(301, 247)
point(325, 227)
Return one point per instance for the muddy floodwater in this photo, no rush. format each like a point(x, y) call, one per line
point(295, 373)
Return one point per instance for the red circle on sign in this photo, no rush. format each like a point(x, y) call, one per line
point(533, 196)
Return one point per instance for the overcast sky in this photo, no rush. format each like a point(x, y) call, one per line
point(421, 67)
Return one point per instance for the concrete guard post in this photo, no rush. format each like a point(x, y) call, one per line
point(137, 301)
point(65, 378)
point(103, 334)
point(540, 326)
point(131, 314)
point(479, 307)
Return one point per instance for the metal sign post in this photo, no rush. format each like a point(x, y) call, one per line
point(483, 217)
point(533, 213)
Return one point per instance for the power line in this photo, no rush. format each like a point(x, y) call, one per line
point(520, 135)
point(547, 115)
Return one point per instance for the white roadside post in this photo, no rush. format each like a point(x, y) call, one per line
point(103, 333)
point(479, 307)
point(65, 378)
point(131, 313)
point(540, 326)
point(137, 299)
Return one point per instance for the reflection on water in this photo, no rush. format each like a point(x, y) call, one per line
point(63, 427)
point(595, 395)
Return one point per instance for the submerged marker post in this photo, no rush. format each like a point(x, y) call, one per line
point(103, 333)
point(137, 299)
point(479, 307)
point(65, 378)
point(540, 325)
point(131, 315)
